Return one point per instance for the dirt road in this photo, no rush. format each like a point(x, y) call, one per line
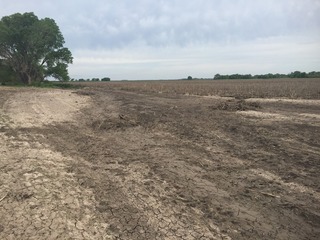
point(99, 163)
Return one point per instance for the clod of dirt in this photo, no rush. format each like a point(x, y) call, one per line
point(21, 196)
point(236, 105)
point(84, 93)
point(120, 123)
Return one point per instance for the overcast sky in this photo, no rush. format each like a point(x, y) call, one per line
point(170, 39)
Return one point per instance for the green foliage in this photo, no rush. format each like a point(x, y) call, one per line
point(314, 74)
point(297, 74)
point(6, 73)
point(189, 78)
point(105, 79)
point(33, 48)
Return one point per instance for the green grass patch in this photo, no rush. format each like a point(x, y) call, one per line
point(61, 85)
point(45, 84)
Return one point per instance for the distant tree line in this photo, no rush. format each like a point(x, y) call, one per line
point(295, 74)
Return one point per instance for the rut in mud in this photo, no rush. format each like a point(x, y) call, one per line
point(100, 163)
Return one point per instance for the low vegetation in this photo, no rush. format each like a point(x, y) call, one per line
point(44, 84)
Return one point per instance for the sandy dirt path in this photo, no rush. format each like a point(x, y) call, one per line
point(40, 199)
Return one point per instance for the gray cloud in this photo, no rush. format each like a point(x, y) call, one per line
point(162, 23)
point(193, 34)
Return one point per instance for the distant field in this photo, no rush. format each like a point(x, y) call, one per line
point(307, 88)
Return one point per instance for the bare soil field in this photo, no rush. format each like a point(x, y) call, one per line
point(110, 161)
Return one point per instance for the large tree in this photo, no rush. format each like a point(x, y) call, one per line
point(33, 47)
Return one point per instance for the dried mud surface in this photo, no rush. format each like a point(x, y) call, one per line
point(100, 163)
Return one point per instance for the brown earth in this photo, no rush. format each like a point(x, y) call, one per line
point(100, 163)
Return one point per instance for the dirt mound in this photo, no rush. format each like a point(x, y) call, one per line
point(121, 122)
point(235, 105)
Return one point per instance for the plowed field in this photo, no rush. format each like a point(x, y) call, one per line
point(104, 163)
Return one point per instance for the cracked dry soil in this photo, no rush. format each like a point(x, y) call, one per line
point(100, 163)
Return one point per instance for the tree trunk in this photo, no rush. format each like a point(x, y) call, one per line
point(29, 79)
point(25, 78)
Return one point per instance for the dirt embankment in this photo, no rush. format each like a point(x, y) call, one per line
point(108, 164)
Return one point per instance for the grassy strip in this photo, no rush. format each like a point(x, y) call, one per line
point(46, 84)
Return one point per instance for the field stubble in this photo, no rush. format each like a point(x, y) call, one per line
point(253, 88)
